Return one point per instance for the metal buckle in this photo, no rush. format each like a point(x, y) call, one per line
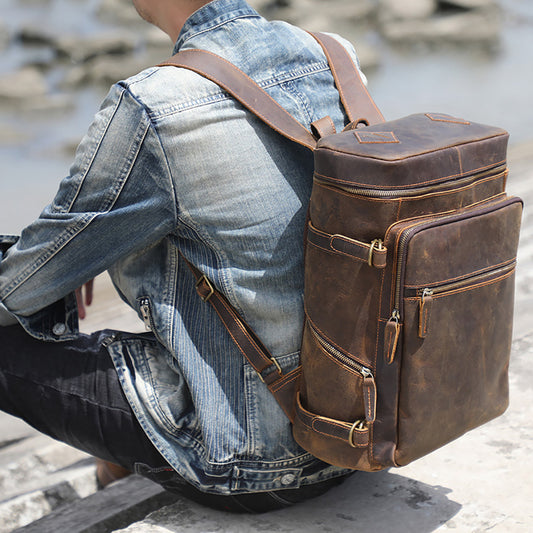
point(211, 289)
point(358, 424)
point(274, 362)
point(375, 243)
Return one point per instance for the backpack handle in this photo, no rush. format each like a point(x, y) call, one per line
point(353, 93)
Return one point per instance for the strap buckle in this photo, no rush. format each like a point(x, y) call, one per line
point(204, 279)
point(358, 424)
point(276, 364)
point(376, 244)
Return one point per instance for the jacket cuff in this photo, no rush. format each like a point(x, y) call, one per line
point(57, 322)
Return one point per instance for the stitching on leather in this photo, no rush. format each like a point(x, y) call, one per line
point(333, 250)
point(240, 326)
point(457, 190)
point(318, 420)
point(380, 305)
point(347, 254)
point(331, 341)
point(468, 288)
point(349, 57)
point(465, 276)
point(451, 120)
point(359, 136)
point(425, 316)
point(442, 178)
point(302, 412)
point(285, 382)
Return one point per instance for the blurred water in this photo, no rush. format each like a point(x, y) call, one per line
point(492, 87)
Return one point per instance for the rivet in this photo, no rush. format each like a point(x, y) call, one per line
point(59, 329)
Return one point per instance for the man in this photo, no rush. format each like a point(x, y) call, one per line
point(170, 168)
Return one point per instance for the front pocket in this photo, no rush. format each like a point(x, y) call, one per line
point(456, 313)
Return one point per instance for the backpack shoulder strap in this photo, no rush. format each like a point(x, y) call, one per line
point(357, 102)
point(244, 90)
point(359, 106)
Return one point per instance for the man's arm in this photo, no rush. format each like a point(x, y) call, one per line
point(117, 199)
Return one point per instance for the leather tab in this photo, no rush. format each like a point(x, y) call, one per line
point(392, 334)
point(322, 127)
point(424, 309)
point(370, 398)
point(357, 437)
point(374, 253)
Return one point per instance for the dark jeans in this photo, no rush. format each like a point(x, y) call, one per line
point(71, 392)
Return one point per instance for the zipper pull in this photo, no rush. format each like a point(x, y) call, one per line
point(369, 395)
point(392, 333)
point(145, 314)
point(423, 312)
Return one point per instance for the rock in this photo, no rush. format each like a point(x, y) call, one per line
point(109, 70)
point(27, 91)
point(59, 489)
point(460, 28)
point(36, 35)
point(406, 9)
point(24, 84)
point(469, 4)
point(85, 49)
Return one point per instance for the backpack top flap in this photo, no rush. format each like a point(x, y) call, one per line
point(413, 151)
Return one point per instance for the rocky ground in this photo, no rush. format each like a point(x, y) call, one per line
point(123, 45)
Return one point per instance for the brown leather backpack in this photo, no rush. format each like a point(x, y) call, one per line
point(409, 276)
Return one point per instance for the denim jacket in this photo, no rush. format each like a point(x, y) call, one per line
point(172, 163)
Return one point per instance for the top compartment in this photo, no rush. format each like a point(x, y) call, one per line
point(412, 152)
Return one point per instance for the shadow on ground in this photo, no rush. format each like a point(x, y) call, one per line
point(379, 502)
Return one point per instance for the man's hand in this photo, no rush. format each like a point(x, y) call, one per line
point(81, 301)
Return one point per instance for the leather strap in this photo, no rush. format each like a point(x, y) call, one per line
point(244, 90)
point(374, 253)
point(357, 434)
point(358, 104)
point(282, 386)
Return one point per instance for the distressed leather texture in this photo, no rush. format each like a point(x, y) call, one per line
point(432, 321)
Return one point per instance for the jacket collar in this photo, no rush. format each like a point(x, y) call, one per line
point(212, 15)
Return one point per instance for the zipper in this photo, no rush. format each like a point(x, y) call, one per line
point(369, 388)
point(393, 324)
point(465, 282)
point(345, 360)
point(418, 191)
point(426, 294)
point(145, 306)
point(146, 314)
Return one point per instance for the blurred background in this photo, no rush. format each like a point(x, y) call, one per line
point(470, 58)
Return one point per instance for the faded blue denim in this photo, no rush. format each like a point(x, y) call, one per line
point(172, 163)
